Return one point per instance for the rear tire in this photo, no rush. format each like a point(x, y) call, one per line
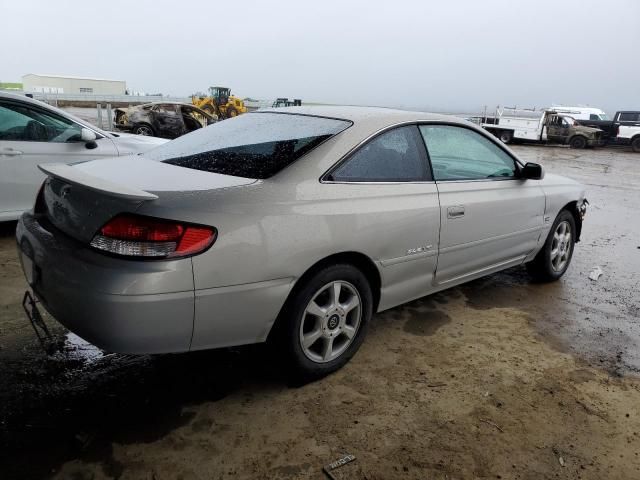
point(635, 144)
point(505, 136)
point(318, 334)
point(553, 260)
point(578, 142)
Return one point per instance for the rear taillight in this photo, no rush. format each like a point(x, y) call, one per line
point(138, 236)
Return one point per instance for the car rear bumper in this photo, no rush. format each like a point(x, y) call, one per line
point(118, 305)
point(140, 307)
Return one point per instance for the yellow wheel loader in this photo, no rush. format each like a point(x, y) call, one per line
point(220, 102)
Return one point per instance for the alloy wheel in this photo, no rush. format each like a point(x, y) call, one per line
point(144, 130)
point(330, 322)
point(561, 246)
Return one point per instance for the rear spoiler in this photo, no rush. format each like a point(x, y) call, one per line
point(75, 176)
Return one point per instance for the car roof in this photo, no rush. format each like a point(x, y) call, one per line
point(357, 114)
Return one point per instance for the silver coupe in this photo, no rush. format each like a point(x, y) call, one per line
point(294, 225)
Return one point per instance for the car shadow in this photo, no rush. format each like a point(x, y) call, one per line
point(70, 406)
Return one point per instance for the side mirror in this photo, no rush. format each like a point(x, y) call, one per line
point(89, 138)
point(532, 171)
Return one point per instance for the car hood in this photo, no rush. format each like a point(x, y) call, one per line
point(583, 129)
point(555, 179)
point(128, 143)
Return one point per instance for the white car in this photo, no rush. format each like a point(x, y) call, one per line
point(33, 133)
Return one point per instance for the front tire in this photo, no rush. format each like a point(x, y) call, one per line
point(325, 321)
point(578, 142)
point(554, 258)
point(232, 112)
point(144, 129)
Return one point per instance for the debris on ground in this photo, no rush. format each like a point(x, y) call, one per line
point(337, 464)
point(489, 422)
point(595, 274)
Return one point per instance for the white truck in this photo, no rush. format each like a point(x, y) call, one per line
point(547, 125)
point(624, 129)
point(629, 135)
point(581, 113)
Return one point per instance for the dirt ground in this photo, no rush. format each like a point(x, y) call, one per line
point(500, 378)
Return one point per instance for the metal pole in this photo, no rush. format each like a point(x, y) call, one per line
point(99, 107)
point(109, 117)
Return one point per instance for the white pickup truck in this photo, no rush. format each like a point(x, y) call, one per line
point(629, 135)
point(545, 125)
point(624, 129)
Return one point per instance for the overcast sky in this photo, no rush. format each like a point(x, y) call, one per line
point(443, 55)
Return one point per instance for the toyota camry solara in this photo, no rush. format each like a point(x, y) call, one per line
point(294, 225)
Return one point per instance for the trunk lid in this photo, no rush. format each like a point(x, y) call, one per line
point(81, 198)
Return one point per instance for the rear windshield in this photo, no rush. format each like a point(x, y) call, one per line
point(254, 145)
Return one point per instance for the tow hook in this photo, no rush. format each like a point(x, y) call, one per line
point(30, 305)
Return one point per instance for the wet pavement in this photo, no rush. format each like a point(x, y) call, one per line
point(604, 314)
point(499, 378)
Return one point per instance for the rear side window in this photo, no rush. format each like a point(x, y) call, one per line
point(255, 145)
point(629, 117)
point(394, 156)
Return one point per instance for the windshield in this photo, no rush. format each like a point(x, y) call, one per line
point(604, 116)
point(254, 145)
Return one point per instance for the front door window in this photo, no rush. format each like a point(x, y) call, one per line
point(459, 153)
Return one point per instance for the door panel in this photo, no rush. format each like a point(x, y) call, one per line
point(489, 217)
point(167, 121)
point(396, 225)
point(558, 129)
point(20, 176)
point(29, 135)
point(501, 222)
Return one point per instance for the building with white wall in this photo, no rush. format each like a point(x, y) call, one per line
point(40, 83)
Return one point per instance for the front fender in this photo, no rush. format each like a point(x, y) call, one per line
point(563, 193)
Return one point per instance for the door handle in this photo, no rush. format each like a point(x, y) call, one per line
point(10, 152)
point(456, 211)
